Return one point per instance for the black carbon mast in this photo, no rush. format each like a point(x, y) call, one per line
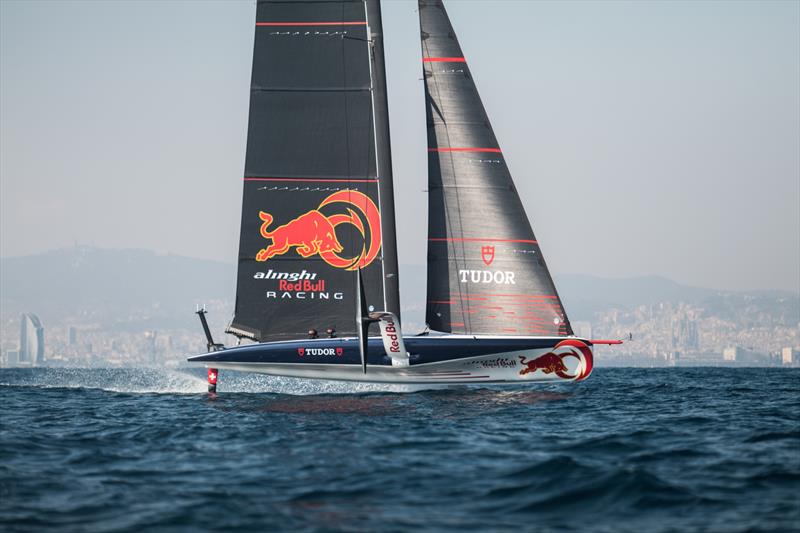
point(380, 106)
point(486, 273)
point(318, 202)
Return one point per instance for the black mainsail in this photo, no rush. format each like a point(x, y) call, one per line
point(486, 273)
point(318, 201)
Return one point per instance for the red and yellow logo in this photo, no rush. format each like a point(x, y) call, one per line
point(314, 232)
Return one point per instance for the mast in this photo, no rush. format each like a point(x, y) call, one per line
point(486, 272)
point(380, 110)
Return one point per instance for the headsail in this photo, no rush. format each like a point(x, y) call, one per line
point(317, 184)
point(486, 273)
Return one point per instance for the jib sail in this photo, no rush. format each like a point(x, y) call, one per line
point(486, 273)
point(317, 183)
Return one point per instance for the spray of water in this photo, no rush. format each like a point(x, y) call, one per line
point(242, 382)
point(183, 381)
point(129, 380)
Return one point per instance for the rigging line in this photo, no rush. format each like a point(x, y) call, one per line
point(370, 56)
point(462, 258)
point(343, 23)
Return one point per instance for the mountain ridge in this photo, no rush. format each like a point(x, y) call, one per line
point(70, 280)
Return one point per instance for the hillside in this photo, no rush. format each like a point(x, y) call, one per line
point(113, 285)
point(110, 285)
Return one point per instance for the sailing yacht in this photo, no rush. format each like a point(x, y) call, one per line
point(318, 254)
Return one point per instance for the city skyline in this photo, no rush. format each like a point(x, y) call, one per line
point(153, 323)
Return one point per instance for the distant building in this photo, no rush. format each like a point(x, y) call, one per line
point(582, 329)
point(12, 358)
point(729, 354)
point(697, 359)
point(31, 340)
point(73, 335)
point(684, 334)
point(790, 356)
point(150, 346)
point(743, 355)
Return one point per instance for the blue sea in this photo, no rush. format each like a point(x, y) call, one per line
point(703, 449)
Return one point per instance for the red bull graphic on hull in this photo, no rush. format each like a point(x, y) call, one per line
point(554, 362)
point(314, 233)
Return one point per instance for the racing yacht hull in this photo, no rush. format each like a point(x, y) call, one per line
point(447, 359)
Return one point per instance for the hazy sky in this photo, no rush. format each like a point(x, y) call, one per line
point(644, 137)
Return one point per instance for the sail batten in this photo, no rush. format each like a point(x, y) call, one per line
point(315, 176)
point(486, 274)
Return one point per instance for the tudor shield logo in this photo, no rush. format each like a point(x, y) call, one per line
point(314, 232)
point(487, 254)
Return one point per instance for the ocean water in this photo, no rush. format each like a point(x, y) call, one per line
point(706, 449)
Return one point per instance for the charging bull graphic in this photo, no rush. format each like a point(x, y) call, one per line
point(553, 362)
point(314, 232)
point(311, 233)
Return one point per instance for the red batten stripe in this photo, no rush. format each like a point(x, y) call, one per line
point(354, 23)
point(311, 180)
point(604, 341)
point(522, 302)
point(470, 239)
point(493, 150)
point(526, 296)
point(443, 59)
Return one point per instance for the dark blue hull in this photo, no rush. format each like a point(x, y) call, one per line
point(440, 359)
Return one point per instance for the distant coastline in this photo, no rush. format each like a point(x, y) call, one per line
point(112, 308)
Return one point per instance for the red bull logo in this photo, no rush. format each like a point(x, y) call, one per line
point(314, 233)
point(553, 362)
